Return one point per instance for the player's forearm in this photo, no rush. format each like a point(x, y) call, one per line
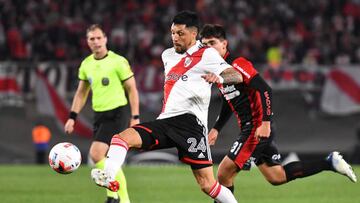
point(79, 102)
point(133, 95)
point(134, 101)
point(231, 76)
point(265, 91)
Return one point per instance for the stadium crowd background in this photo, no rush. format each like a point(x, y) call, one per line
point(307, 31)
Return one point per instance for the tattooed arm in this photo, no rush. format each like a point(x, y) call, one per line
point(228, 76)
point(231, 76)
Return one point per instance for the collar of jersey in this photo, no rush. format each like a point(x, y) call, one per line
point(194, 48)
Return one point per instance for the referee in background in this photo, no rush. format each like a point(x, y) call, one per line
point(109, 76)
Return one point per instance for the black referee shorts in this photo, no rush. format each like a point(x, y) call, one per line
point(108, 123)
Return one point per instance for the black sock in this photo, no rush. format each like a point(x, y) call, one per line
point(300, 169)
point(231, 188)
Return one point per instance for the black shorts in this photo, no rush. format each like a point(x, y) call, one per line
point(185, 132)
point(247, 148)
point(108, 123)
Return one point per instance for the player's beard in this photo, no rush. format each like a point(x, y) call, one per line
point(180, 49)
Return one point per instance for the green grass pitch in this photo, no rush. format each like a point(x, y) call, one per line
point(166, 184)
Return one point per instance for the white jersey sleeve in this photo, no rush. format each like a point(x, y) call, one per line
point(213, 62)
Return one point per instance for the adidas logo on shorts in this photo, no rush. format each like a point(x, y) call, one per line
point(201, 156)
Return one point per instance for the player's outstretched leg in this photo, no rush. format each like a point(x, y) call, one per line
point(208, 184)
point(112, 197)
point(103, 179)
point(116, 155)
point(339, 165)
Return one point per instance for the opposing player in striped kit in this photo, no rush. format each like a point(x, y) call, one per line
point(251, 103)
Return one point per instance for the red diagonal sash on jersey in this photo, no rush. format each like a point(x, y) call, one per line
point(178, 71)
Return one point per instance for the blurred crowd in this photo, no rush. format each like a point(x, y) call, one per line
point(264, 31)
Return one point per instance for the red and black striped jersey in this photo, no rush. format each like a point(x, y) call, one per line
point(250, 101)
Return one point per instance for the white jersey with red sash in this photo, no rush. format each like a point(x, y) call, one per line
point(185, 91)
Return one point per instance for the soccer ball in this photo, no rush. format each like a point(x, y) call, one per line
point(64, 158)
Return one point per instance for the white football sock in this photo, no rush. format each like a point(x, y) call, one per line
point(115, 156)
point(221, 194)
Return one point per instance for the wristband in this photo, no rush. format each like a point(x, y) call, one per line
point(221, 79)
point(135, 116)
point(73, 115)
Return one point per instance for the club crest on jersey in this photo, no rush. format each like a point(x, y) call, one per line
point(187, 61)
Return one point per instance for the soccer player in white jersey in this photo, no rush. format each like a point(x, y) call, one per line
point(183, 120)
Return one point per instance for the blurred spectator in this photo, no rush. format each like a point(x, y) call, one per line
point(309, 32)
point(274, 57)
point(41, 136)
point(150, 83)
point(2, 41)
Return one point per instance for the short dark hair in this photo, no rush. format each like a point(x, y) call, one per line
point(188, 18)
point(94, 27)
point(213, 30)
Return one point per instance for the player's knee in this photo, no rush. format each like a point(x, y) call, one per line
point(226, 177)
point(222, 178)
point(276, 180)
point(204, 184)
point(205, 187)
point(130, 137)
point(95, 155)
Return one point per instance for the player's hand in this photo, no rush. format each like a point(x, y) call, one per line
point(211, 78)
point(213, 136)
point(263, 131)
point(69, 126)
point(134, 122)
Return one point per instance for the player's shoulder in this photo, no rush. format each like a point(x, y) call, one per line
point(242, 61)
point(87, 60)
point(116, 56)
point(168, 52)
point(210, 52)
point(245, 67)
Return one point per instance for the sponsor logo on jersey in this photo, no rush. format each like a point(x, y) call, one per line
point(241, 70)
point(176, 77)
point(227, 89)
point(229, 92)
